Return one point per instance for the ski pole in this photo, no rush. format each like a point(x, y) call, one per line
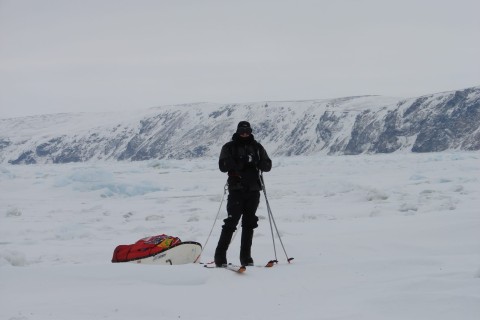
point(269, 217)
point(225, 188)
point(271, 226)
point(272, 219)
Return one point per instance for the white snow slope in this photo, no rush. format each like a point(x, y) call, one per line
point(373, 237)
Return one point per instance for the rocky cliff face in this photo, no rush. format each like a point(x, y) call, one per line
point(353, 125)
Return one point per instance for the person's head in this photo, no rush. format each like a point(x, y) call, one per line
point(243, 129)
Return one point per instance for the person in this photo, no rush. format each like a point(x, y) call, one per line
point(243, 158)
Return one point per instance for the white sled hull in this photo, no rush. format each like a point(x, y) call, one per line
point(181, 254)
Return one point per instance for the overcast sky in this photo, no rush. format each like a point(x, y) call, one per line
point(103, 55)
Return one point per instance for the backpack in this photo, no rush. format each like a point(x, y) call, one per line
point(145, 247)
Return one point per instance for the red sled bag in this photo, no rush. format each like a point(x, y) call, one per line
point(144, 248)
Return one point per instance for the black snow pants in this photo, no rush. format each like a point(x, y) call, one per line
point(242, 205)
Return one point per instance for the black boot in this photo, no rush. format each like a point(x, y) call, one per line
point(245, 247)
point(222, 247)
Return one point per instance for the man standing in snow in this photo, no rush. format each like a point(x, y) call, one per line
point(243, 158)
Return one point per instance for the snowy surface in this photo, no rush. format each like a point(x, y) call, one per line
point(373, 237)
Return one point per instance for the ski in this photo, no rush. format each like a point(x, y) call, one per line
point(239, 268)
point(235, 268)
point(231, 267)
point(270, 263)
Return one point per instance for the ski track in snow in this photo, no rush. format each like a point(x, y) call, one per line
point(373, 237)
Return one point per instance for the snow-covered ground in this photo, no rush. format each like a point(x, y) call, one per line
point(373, 237)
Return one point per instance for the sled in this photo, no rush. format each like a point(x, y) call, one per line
point(183, 253)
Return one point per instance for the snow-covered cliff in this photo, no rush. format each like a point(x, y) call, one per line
point(352, 125)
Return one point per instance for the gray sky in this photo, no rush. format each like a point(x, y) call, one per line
point(104, 55)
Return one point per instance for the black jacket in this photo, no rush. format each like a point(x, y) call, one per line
point(243, 159)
